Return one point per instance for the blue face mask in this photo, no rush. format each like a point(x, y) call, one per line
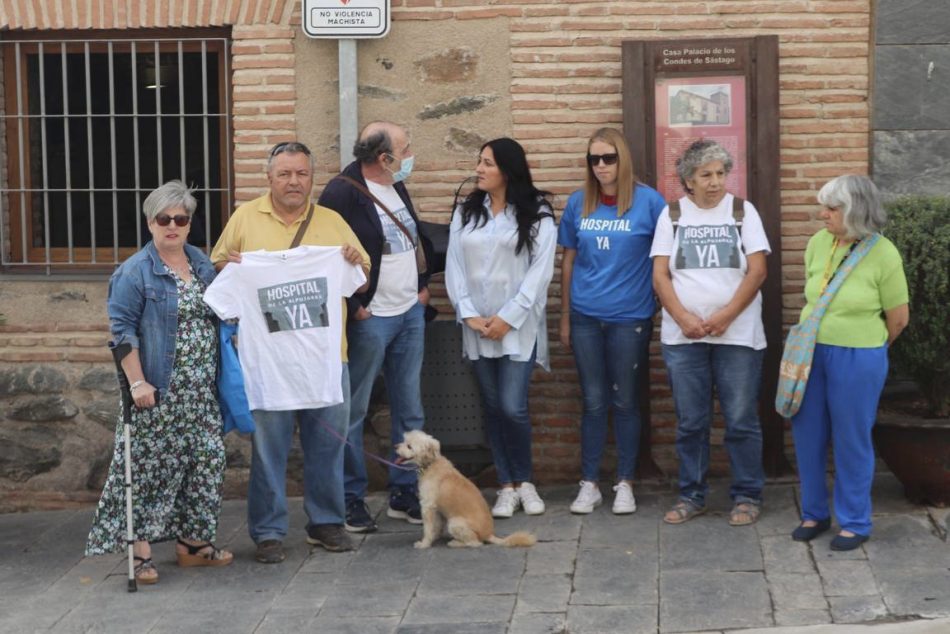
point(405, 169)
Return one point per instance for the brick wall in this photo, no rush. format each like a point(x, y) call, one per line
point(565, 81)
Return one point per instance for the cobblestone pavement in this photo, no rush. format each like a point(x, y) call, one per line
point(595, 573)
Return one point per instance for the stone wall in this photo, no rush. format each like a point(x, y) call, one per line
point(546, 72)
point(911, 95)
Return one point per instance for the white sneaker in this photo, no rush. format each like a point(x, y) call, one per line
point(624, 502)
point(530, 500)
point(507, 503)
point(587, 498)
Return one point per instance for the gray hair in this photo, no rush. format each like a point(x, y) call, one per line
point(367, 150)
point(171, 195)
point(859, 201)
point(698, 154)
point(290, 147)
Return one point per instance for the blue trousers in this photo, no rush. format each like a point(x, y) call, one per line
point(839, 407)
point(503, 384)
point(736, 372)
point(610, 356)
point(322, 466)
point(395, 346)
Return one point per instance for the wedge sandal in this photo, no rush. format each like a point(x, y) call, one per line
point(206, 554)
point(683, 511)
point(142, 569)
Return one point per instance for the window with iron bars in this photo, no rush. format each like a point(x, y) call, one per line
point(91, 126)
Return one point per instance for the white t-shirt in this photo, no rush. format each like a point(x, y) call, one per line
point(707, 267)
point(398, 287)
point(291, 323)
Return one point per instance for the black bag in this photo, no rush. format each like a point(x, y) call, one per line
point(435, 235)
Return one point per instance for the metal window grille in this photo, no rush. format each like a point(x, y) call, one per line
point(91, 126)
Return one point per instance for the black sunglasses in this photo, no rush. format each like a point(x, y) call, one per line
point(181, 220)
point(293, 147)
point(608, 159)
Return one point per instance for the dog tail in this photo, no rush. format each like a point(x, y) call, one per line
point(521, 538)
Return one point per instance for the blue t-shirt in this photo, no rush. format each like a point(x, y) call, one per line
point(613, 273)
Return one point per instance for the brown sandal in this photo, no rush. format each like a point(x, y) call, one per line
point(144, 569)
point(198, 555)
point(684, 511)
point(744, 513)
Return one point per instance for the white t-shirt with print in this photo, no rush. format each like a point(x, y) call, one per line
point(291, 323)
point(398, 287)
point(707, 266)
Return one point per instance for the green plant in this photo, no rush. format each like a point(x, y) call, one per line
point(920, 228)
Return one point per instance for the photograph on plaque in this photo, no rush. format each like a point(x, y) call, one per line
point(691, 108)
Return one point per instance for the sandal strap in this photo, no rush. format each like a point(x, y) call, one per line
point(195, 549)
point(146, 564)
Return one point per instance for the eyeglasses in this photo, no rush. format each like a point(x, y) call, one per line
point(608, 159)
point(181, 220)
point(293, 147)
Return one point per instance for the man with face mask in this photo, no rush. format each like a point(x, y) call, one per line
point(386, 322)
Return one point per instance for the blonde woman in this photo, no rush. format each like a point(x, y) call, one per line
point(607, 307)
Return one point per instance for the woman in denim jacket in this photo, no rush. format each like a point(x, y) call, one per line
point(178, 459)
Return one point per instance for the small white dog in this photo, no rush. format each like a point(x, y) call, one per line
point(447, 496)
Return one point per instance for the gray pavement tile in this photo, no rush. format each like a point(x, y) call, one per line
point(456, 628)
point(856, 609)
point(582, 619)
point(285, 622)
point(617, 588)
point(888, 497)
point(694, 600)
point(847, 578)
point(921, 592)
point(598, 562)
point(354, 625)
point(545, 558)
point(603, 529)
point(382, 599)
point(781, 554)
point(941, 518)
point(305, 592)
point(477, 576)
point(821, 549)
point(556, 524)
point(539, 623)
point(23, 529)
point(780, 513)
point(456, 610)
point(793, 591)
point(801, 617)
point(543, 593)
point(324, 562)
point(905, 542)
point(724, 547)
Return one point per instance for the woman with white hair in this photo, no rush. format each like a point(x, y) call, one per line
point(849, 366)
point(155, 306)
point(708, 264)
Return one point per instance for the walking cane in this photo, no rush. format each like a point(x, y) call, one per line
point(119, 353)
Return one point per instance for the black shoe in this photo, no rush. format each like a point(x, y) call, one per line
point(330, 536)
point(808, 533)
point(404, 505)
point(358, 519)
point(270, 551)
point(840, 542)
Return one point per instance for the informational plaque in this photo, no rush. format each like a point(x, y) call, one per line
point(346, 18)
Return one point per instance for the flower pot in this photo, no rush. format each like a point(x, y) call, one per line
point(917, 451)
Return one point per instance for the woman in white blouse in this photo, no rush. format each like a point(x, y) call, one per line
point(499, 263)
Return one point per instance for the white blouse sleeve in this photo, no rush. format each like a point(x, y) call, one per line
point(456, 278)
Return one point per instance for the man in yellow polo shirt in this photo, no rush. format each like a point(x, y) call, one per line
point(271, 222)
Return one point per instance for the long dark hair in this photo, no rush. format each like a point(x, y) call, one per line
point(529, 202)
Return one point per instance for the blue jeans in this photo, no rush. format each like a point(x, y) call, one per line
point(609, 358)
point(736, 373)
point(839, 407)
point(322, 466)
point(395, 346)
point(503, 385)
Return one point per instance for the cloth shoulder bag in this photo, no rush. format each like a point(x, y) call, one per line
point(800, 345)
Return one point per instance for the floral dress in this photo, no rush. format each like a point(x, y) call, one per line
point(178, 455)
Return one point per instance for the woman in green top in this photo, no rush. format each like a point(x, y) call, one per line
point(839, 407)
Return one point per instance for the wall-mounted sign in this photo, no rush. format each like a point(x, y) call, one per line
point(339, 19)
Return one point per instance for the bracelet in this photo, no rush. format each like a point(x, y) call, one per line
point(136, 384)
